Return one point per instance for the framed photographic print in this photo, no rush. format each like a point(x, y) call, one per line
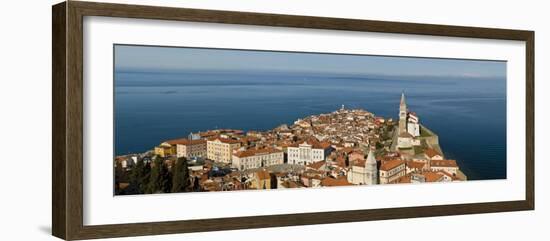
point(210, 120)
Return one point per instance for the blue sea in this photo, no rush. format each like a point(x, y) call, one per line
point(468, 113)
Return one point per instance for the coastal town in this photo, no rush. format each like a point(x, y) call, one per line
point(341, 148)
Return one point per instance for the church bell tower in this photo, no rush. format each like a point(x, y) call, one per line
point(402, 114)
point(371, 169)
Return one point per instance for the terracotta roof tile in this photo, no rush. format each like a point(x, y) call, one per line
point(415, 164)
point(432, 176)
point(443, 163)
point(388, 165)
point(185, 141)
point(333, 182)
point(430, 152)
point(316, 165)
point(225, 140)
point(257, 152)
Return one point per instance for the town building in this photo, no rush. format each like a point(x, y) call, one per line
point(329, 149)
point(433, 177)
point(409, 127)
point(189, 148)
point(165, 149)
point(356, 156)
point(334, 182)
point(432, 154)
point(364, 172)
point(413, 124)
point(312, 177)
point(391, 171)
point(256, 158)
point(408, 121)
point(261, 180)
point(194, 136)
point(306, 153)
point(448, 166)
point(429, 176)
point(405, 140)
point(221, 149)
point(126, 162)
point(416, 166)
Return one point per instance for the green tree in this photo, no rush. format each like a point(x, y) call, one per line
point(118, 176)
point(379, 145)
point(180, 175)
point(155, 177)
point(165, 179)
point(138, 175)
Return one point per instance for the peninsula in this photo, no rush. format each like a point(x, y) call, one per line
point(341, 148)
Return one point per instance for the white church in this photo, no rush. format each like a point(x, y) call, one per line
point(364, 173)
point(409, 126)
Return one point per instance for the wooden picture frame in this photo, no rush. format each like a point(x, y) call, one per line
point(67, 139)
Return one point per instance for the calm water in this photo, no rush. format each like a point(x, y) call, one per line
point(468, 114)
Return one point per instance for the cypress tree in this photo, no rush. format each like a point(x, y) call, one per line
point(137, 175)
point(180, 176)
point(165, 179)
point(196, 185)
point(146, 177)
point(118, 176)
point(155, 178)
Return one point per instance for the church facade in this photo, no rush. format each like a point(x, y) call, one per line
point(408, 121)
point(409, 126)
point(364, 172)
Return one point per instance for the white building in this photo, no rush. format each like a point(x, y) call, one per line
point(449, 166)
point(391, 171)
point(221, 149)
point(413, 126)
point(256, 158)
point(128, 162)
point(364, 172)
point(408, 121)
point(189, 148)
point(404, 140)
point(432, 154)
point(306, 153)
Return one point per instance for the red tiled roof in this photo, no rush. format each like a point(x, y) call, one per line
point(322, 145)
point(415, 165)
point(185, 141)
point(291, 184)
point(256, 152)
point(431, 152)
point(404, 179)
point(347, 150)
point(443, 163)
point(316, 165)
point(225, 140)
point(359, 162)
point(333, 182)
point(432, 176)
point(449, 174)
point(208, 134)
point(388, 165)
point(313, 142)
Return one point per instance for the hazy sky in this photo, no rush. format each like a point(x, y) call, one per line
point(149, 58)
